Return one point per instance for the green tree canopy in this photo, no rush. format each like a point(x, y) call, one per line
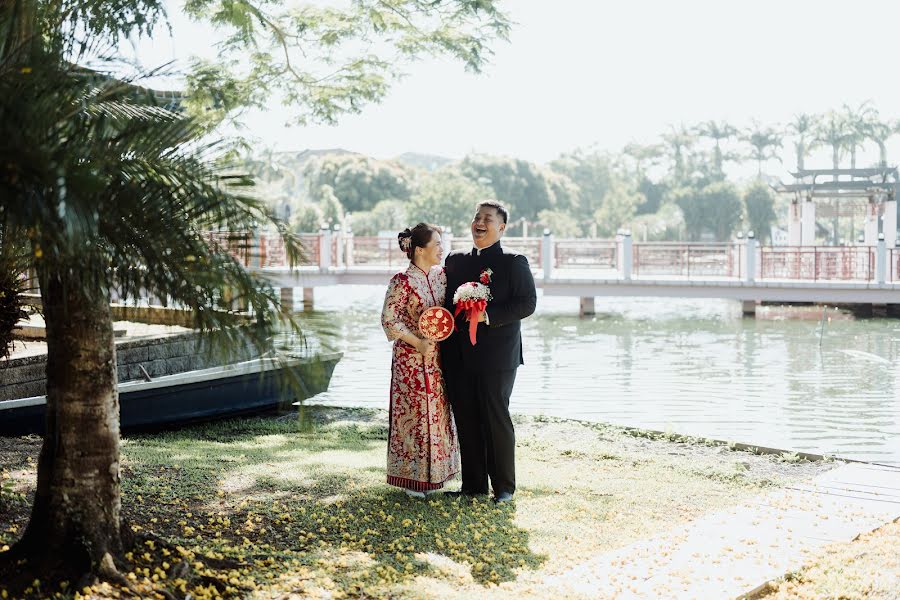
point(715, 208)
point(447, 197)
point(357, 181)
point(759, 207)
point(519, 184)
point(618, 208)
point(387, 215)
point(592, 173)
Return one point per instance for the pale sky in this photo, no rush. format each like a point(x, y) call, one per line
point(579, 73)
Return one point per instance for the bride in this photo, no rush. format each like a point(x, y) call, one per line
point(422, 447)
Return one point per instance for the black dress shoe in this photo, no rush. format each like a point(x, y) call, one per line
point(503, 497)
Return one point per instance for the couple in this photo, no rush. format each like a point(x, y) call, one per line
point(476, 380)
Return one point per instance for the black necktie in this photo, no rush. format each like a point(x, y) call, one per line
point(474, 251)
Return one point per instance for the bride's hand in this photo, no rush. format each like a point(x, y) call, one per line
point(425, 347)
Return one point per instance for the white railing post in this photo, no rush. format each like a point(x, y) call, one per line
point(348, 255)
point(547, 254)
point(750, 259)
point(627, 255)
point(446, 242)
point(339, 246)
point(880, 259)
point(324, 248)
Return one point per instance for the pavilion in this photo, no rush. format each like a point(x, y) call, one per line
point(877, 186)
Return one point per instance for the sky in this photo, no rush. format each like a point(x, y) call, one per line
point(603, 73)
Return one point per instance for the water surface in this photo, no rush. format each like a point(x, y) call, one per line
point(687, 366)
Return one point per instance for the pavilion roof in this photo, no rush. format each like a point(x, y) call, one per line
point(843, 183)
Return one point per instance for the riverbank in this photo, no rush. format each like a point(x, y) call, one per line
point(276, 506)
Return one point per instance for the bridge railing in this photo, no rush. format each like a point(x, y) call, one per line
point(374, 251)
point(583, 254)
point(727, 260)
point(688, 259)
point(817, 263)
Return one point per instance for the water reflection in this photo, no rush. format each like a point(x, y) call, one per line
point(683, 365)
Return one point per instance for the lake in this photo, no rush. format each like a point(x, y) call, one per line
point(686, 366)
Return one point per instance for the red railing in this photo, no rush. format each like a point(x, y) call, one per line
point(817, 262)
point(376, 251)
point(688, 260)
point(584, 254)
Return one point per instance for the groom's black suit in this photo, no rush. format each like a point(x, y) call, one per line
point(479, 379)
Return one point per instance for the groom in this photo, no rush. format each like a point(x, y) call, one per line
point(479, 379)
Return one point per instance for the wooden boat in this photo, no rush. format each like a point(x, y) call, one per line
point(251, 386)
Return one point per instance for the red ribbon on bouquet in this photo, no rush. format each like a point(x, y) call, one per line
point(473, 308)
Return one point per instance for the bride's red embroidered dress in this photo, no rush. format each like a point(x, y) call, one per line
point(422, 447)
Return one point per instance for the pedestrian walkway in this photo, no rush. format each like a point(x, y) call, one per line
point(732, 553)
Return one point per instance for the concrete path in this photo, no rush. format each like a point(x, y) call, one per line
point(732, 553)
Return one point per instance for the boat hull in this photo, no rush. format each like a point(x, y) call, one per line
point(250, 387)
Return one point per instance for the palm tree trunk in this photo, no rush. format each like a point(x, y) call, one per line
point(76, 512)
point(882, 153)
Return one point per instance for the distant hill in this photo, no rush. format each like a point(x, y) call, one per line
point(428, 162)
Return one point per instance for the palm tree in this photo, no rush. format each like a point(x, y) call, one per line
point(718, 132)
point(880, 132)
point(765, 142)
point(678, 142)
point(108, 191)
point(804, 128)
point(642, 155)
point(833, 131)
point(858, 122)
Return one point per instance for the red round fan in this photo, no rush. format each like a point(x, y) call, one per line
point(436, 323)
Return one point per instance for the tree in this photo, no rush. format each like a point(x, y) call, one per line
point(715, 207)
point(644, 156)
point(880, 132)
point(858, 122)
point(832, 130)
point(358, 182)
point(562, 224)
point(759, 208)
point(84, 161)
point(517, 183)
point(678, 143)
point(764, 142)
point(619, 207)
point(325, 61)
point(448, 198)
point(331, 207)
point(307, 218)
point(718, 132)
point(804, 127)
point(387, 215)
point(591, 173)
point(88, 232)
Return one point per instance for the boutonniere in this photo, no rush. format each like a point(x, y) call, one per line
point(485, 276)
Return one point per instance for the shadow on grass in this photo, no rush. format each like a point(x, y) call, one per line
point(261, 489)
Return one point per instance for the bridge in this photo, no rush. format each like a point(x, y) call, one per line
point(741, 270)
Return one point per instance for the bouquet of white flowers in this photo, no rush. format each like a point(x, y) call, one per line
point(471, 297)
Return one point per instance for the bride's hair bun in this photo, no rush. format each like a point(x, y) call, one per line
point(417, 237)
point(404, 238)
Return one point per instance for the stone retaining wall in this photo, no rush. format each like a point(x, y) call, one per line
point(165, 355)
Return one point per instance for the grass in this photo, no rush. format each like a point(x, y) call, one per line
point(276, 507)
